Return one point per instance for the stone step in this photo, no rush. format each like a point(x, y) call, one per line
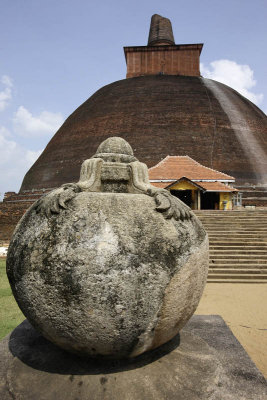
point(245, 227)
point(259, 227)
point(237, 244)
point(230, 266)
point(229, 214)
point(254, 195)
point(241, 247)
point(248, 271)
point(228, 228)
point(239, 256)
point(240, 211)
point(241, 241)
point(261, 222)
point(234, 239)
point(221, 228)
point(225, 252)
point(225, 217)
point(230, 280)
point(228, 260)
point(236, 235)
point(262, 226)
point(233, 242)
point(237, 276)
point(234, 220)
point(232, 234)
point(248, 215)
point(235, 256)
point(242, 235)
point(249, 237)
point(217, 227)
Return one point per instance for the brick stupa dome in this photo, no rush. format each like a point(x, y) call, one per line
point(164, 108)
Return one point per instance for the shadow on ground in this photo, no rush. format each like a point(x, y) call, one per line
point(34, 350)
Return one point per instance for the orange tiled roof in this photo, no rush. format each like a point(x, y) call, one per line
point(176, 167)
point(161, 185)
point(207, 186)
point(216, 187)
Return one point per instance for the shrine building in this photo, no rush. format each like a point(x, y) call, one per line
point(197, 186)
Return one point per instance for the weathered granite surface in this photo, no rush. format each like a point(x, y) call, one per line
point(110, 266)
point(203, 362)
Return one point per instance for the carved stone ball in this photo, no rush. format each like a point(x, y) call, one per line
point(108, 275)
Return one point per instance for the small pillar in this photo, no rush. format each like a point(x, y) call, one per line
point(198, 200)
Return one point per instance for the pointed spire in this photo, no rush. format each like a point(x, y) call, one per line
point(160, 31)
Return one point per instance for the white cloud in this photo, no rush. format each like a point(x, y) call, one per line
point(4, 131)
point(15, 160)
point(239, 77)
point(27, 125)
point(6, 94)
point(7, 81)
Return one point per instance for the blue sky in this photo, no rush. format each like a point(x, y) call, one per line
point(56, 54)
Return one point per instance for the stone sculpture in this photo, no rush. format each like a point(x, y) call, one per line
point(110, 266)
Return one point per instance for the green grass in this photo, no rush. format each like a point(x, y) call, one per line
point(10, 314)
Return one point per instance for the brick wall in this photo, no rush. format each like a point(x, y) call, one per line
point(10, 214)
point(168, 60)
point(13, 208)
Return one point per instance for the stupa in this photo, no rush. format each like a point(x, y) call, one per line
point(164, 107)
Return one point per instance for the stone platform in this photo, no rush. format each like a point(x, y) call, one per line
point(203, 362)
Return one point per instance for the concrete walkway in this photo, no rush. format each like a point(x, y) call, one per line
point(243, 308)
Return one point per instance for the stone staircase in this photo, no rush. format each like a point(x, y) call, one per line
point(238, 245)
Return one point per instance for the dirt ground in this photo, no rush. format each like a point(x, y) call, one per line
point(244, 309)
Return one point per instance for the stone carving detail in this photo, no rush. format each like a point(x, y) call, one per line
point(114, 169)
point(110, 266)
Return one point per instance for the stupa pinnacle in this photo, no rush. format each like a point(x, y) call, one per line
point(160, 31)
point(162, 56)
